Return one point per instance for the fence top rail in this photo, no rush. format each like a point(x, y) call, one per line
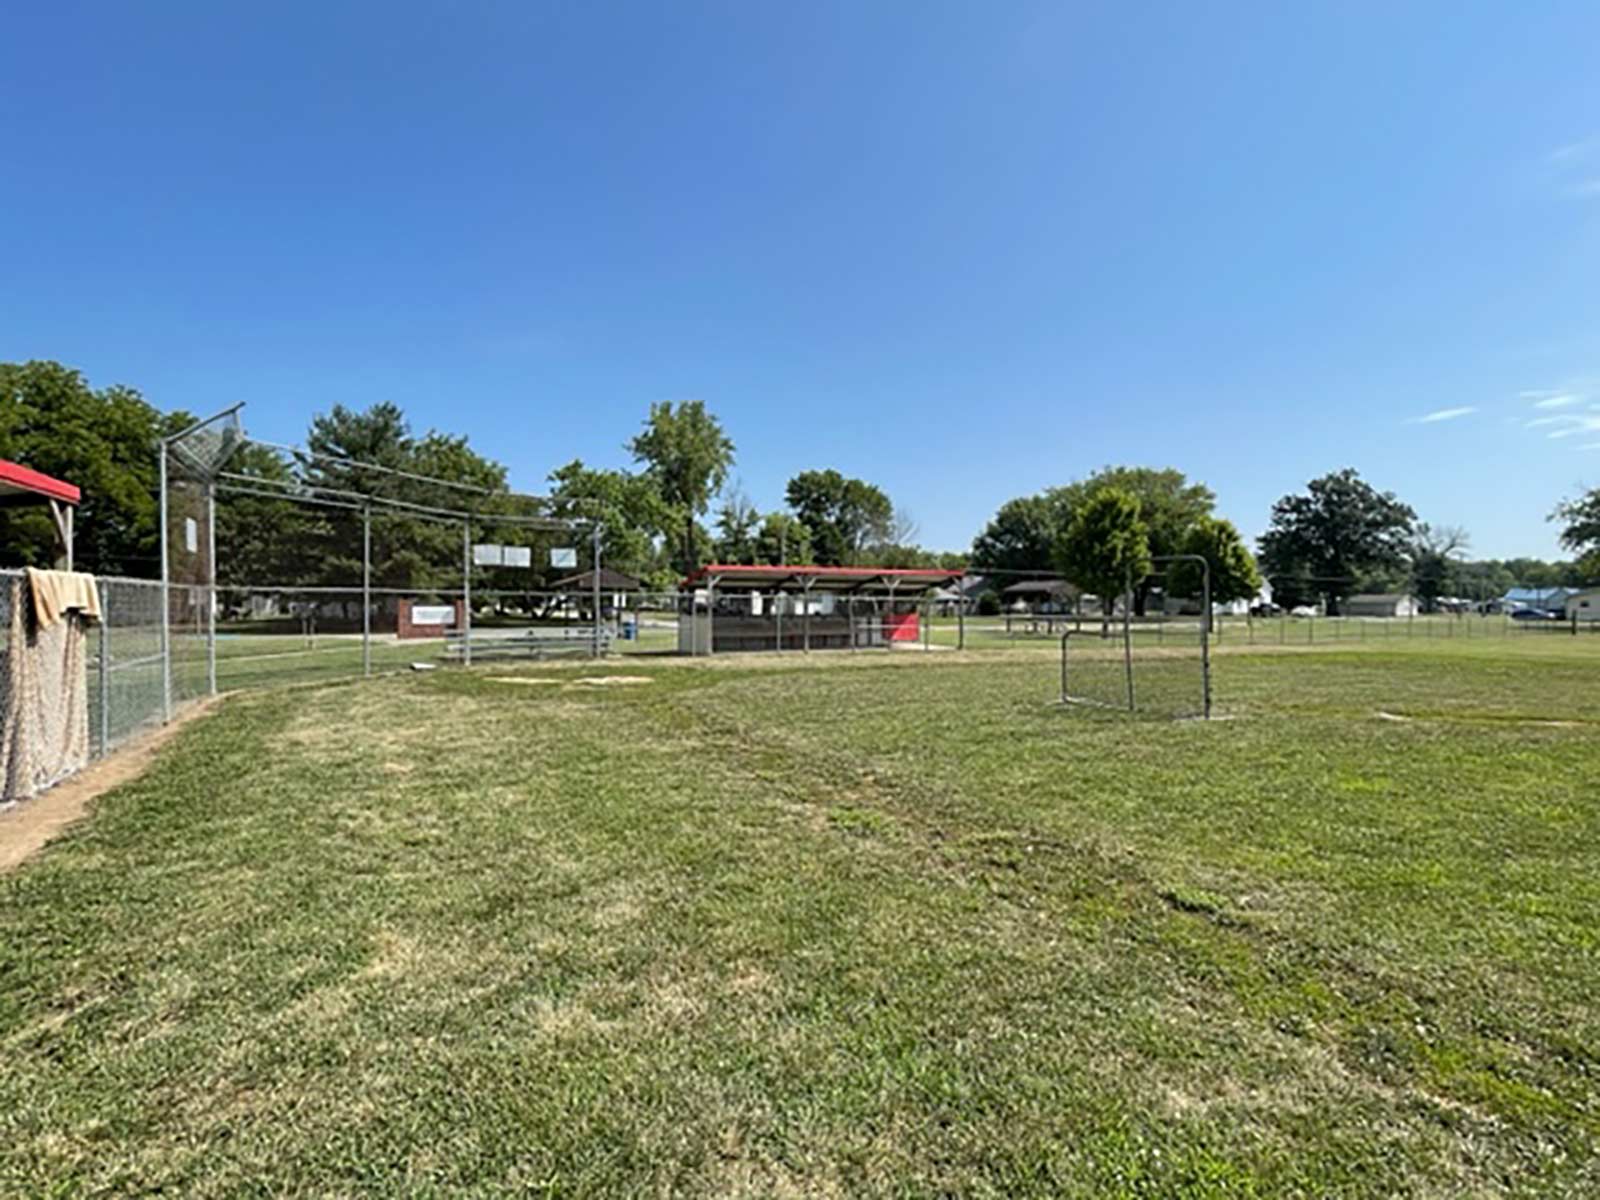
point(19, 572)
point(299, 492)
point(514, 593)
point(303, 489)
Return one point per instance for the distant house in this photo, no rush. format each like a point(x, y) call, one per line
point(1550, 599)
point(962, 595)
point(1189, 606)
point(610, 581)
point(1041, 596)
point(971, 587)
point(577, 591)
point(1584, 605)
point(1378, 605)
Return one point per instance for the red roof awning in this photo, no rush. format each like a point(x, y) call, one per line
point(17, 483)
point(732, 575)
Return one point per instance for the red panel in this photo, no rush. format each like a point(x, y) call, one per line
point(901, 627)
point(14, 477)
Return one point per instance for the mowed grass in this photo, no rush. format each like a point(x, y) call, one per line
point(857, 925)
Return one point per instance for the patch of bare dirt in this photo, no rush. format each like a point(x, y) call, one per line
point(25, 829)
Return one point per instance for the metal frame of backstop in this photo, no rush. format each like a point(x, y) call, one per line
point(193, 473)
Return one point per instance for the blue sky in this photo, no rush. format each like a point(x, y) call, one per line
point(965, 251)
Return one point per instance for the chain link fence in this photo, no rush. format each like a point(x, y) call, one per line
point(124, 663)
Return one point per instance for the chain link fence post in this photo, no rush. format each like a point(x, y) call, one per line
point(596, 598)
point(211, 588)
point(366, 590)
point(166, 607)
point(103, 673)
point(466, 593)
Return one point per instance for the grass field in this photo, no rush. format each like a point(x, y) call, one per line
point(854, 925)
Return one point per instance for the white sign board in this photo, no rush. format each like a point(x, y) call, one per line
point(488, 555)
point(519, 556)
point(563, 556)
point(433, 614)
point(191, 535)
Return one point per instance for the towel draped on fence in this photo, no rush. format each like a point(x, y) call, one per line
point(44, 694)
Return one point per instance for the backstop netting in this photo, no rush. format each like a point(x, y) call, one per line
point(190, 464)
point(329, 566)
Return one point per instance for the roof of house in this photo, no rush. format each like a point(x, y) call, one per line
point(832, 579)
point(1521, 595)
point(1377, 598)
point(1041, 587)
point(611, 581)
point(24, 485)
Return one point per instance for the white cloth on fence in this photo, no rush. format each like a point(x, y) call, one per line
point(56, 593)
point(44, 700)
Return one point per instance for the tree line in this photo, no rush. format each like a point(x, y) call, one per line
point(1109, 531)
point(653, 516)
point(105, 442)
point(1340, 537)
point(678, 507)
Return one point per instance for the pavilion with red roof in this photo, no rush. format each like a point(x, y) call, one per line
point(20, 485)
point(729, 607)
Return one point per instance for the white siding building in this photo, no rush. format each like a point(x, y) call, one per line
point(1378, 606)
point(1584, 606)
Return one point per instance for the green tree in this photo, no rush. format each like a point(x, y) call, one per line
point(262, 539)
point(844, 515)
point(688, 456)
point(894, 542)
point(738, 530)
point(1484, 580)
point(1234, 575)
point(349, 440)
point(633, 516)
point(105, 442)
point(1580, 530)
point(1169, 503)
point(1435, 550)
point(1107, 546)
point(1534, 573)
point(448, 457)
point(1339, 532)
point(408, 550)
point(782, 540)
point(1020, 538)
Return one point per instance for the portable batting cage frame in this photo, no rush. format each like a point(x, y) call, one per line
point(1129, 699)
point(194, 472)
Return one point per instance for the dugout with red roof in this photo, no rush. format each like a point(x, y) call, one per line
point(20, 485)
point(729, 606)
